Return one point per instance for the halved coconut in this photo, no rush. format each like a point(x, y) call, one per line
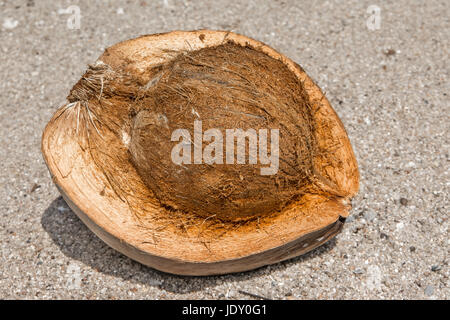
point(109, 152)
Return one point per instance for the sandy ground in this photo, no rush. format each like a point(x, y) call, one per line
point(389, 86)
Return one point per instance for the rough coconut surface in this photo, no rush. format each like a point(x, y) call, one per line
point(126, 116)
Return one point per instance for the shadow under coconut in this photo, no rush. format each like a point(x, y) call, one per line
point(76, 241)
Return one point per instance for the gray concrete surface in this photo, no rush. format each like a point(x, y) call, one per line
point(389, 86)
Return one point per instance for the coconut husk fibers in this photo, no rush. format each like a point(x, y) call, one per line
point(109, 149)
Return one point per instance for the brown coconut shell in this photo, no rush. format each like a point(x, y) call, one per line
point(86, 149)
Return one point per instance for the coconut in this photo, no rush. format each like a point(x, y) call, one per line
point(202, 152)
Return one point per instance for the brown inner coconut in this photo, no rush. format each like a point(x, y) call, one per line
point(225, 87)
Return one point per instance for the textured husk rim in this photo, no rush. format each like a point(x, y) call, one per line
point(105, 186)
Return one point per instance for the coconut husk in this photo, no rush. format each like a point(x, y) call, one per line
point(108, 150)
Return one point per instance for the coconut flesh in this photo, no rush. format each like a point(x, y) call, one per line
point(227, 86)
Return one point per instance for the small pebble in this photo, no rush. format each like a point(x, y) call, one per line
point(403, 201)
point(34, 187)
point(399, 226)
point(429, 290)
point(390, 52)
point(10, 23)
point(369, 215)
point(436, 268)
point(350, 219)
point(62, 209)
